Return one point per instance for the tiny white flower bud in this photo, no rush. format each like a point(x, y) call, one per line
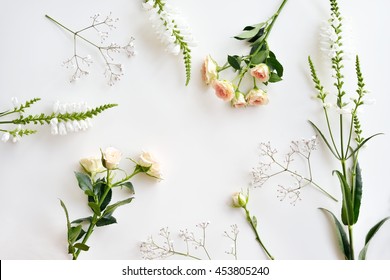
point(56, 106)
point(62, 128)
point(16, 139)
point(5, 137)
point(69, 126)
point(76, 126)
point(15, 102)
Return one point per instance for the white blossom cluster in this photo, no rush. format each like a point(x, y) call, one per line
point(59, 127)
point(169, 25)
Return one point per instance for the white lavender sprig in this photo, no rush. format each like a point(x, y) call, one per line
point(171, 30)
point(113, 70)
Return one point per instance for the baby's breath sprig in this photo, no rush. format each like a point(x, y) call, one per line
point(65, 118)
point(152, 249)
point(171, 30)
point(260, 65)
point(113, 71)
point(346, 149)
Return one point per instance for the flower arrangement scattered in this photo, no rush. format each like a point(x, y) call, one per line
point(240, 200)
point(271, 166)
point(151, 249)
point(97, 181)
point(64, 118)
point(259, 66)
point(171, 30)
point(113, 70)
point(345, 150)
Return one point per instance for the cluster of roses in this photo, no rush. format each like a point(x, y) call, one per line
point(228, 91)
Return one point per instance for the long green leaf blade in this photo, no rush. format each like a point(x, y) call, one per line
point(357, 193)
point(84, 182)
point(66, 214)
point(324, 138)
point(347, 208)
point(370, 235)
point(341, 235)
point(362, 144)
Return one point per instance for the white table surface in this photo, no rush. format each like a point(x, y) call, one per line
point(206, 148)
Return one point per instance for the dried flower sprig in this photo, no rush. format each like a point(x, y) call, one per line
point(172, 30)
point(260, 65)
point(97, 182)
point(240, 200)
point(233, 236)
point(64, 118)
point(151, 249)
point(271, 166)
point(113, 70)
point(346, 149)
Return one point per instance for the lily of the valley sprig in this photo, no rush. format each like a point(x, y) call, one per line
point(171, 30)
point(100, 176)
point(260, 66)
point(240, 200)
point(73, 117)
point(113, 70)
point(350, 138)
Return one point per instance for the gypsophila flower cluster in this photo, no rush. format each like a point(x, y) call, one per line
point(151, 249)
point(260, 66)
point(64, 118)
point(172, 30)
point(233, 236)
point(98, 180)
point(271, 166)
point(113, 70)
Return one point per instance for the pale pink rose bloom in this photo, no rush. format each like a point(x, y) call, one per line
point(209, 70)
point(111, 158)
point(239, 101)
point(224, 89)
point(257, 97)
point(261, 72)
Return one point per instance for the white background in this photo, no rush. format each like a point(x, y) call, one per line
point(206, 148)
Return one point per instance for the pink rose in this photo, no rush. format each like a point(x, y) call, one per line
point(224, 89)
point(261, 72)
point(209, 70)
point(257, 97)
point(239, 101)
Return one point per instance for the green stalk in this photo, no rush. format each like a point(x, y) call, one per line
point(248, 217)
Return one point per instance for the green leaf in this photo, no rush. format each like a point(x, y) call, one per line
point(347, 213)
point(341, 235)
point(106, 200)
point(105, 221)
point(128, 185)
point(362, 144)
point(324, 138)
point(81, 246)
point(254, 221)
point(111, 208)
point(74, 233)
point(274, 64)
point(274, 78)
point(99, 186)
point(234, 62)
point(84, 181)
point(95, 208)
point(82, 220)
point(250, 31)
point(357, 194)
point(257, 39)
point(370, 235)
point(81, 234)
point(259, 57)
point(66, 214)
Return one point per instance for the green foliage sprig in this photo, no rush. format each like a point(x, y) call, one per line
point(97, 181)
point(346, 149)
point(260, 65)
point(20, 119)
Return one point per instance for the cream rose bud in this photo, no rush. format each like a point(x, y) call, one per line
point(209, 70)
point(146, 159)
point(261, 72)
point(224, 89)
point(92, 165)
point(257, 97)
point(239, 100)
point(111, 158)
point(239, 199)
